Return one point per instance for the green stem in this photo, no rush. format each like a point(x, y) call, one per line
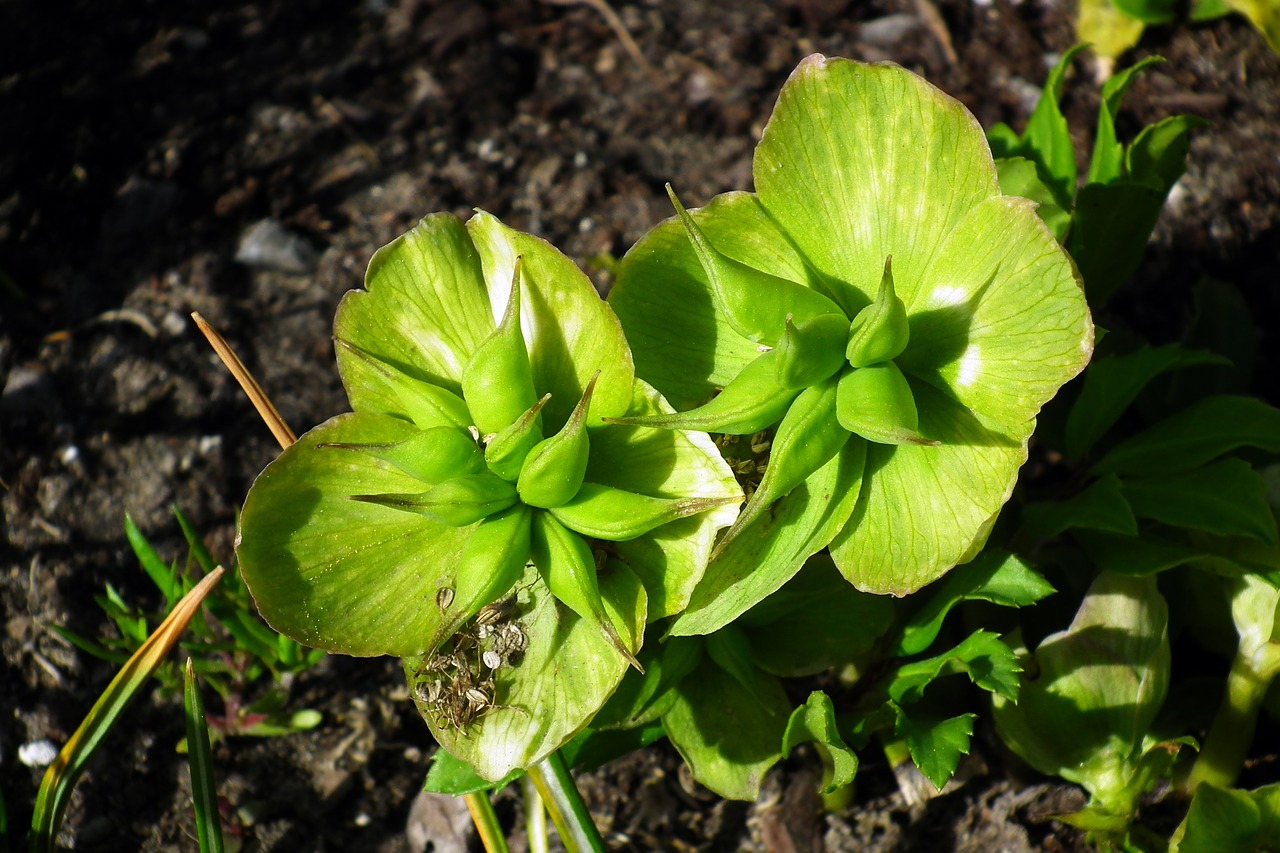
point(569, 814)
point(1231, 733)
point(535, 816)
point(486, 821)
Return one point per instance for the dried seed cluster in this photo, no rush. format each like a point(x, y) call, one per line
point(456, 685)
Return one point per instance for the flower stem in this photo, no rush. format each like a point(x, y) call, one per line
point(1231, 733)
point(486, 821)
point(535, 816)
point(569, 814)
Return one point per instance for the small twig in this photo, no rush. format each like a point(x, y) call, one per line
point(619, 29)
point(251, 388)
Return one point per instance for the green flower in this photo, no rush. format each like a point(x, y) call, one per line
point(883, 321)
point(475, 515)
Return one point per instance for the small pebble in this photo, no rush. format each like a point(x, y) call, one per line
point(38, 753)
point(268, 245)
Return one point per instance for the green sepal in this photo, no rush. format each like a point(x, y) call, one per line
point(457, 502)
point(876, 403)
point(567, 565)
point(617, 515)
point(396, 392)
point(811, 350)
point(498, 380)
point(492, 560)
point(432, 455)
point(753, 401)
point(879, 332)
point(755, 303)
point(807, 437)
point(506, 451)
point(815, 721)
point(554, 468)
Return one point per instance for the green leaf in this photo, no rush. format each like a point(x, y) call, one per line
point(204, 789)
point(1113, 382)
point(815, 722)
point(769, 552)
point(1047, 139)
point(1101, 506)
point(1135, 555)
point(1109, 234)
point(925, 509)
point(1106, 29)
point(1265, 15)
point(982, 656)
point(1107, 164)
point(1196, 435)
point(643, 697)
point(1227, 497)
point(995, 576)
point(729, 736)
point(1022, 177)
point(306, 548)
point(936, 745)
point(449, 775)
point(815, 622)
point(1150, 11)
point(593, 749)
point(1222, 819)
point(1157, 157)
point(1096, 689)
point(164, 577)
point(916, 150)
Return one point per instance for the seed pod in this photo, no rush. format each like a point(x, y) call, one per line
point(753, 401)
point(432, 455)
point(755, 303)
point(457, 502)
point(808, 436)
point(498, 380)
point(811, 350)
point(876, 403)
point(491, 562)
point(427, 404)
point(603, 512)
point(553, 470)
point(505, 452)
point(564, 560)
point(880, 331)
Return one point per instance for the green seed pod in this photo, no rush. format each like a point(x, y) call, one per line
point(457, 502)
point(428, 405)
point(812, 350)
point(876, 403)
point(432, 455)
point(753, 401)
point(755, 303)
point(554, 468)
point(880, 330)
point(491, 562)
point(603, 512)
point(565, 562)
point(505, 452)
point(498, 380)
point(808, 436)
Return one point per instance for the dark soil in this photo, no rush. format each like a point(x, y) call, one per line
point(143, 141)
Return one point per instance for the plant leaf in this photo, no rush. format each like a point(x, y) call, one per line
point(982, 656)
point(815, 722)
point(1101, 506)
point(936, 745)
point(1047, 139)
point(1227, 497)
point(1113, 382)
point(1107, 163)
point(1022, 177)
point(1196, 435)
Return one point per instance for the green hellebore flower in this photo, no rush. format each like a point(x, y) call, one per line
point(948, 358)
point(488, 555)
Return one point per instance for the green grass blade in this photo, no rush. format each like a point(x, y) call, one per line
point(194, 542)
point(486, 821)
point(204, 791)
point(161, 574)
point(55, 789)
point(86, 645)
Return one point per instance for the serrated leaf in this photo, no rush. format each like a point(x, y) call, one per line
point(1107, 163)
point(1196, 435)
point(815, 722)
point(1227, 497)
point(1111, 383)
point(982, 656)
point(936, 746)
point(995, 576)
point(1047, 139)
point(1157, 157)
point(1101, 506)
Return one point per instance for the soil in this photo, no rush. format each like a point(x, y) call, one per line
point(144, 143)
